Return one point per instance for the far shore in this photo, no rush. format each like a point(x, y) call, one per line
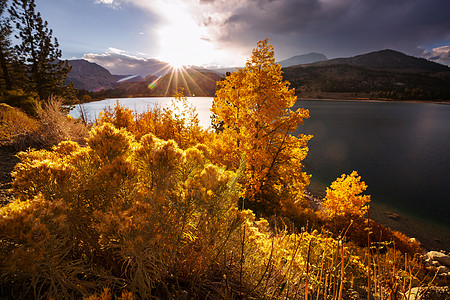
point(299, 98)
point(373, 100)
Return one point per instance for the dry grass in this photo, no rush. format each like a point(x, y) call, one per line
point(55, 126)
point(15, 123)
point(48, 129)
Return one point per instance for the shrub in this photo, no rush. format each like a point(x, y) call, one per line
point(15, 123)
point(26, 101)
point(144, 210)
point(56, 126)
point(178, 122)
point(343, 197)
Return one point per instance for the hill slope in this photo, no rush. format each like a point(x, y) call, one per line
point(194, 83)
point(382, 74)
point(387, 60)
point(303, 59)
point(90, 76)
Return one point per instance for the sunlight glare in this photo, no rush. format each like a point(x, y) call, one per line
point(182, 40)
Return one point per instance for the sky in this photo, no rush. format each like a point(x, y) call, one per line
point(120, 34)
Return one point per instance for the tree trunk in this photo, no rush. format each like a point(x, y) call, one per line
point(5, 71)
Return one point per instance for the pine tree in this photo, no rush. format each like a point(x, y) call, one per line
point(39, 52)
point(253, 108)
point(5, 46)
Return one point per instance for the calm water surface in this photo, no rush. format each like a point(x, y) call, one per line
point(401, 150)
point(202, 104)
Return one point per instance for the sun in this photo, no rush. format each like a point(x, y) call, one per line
point(176, 65)
point(181, 39)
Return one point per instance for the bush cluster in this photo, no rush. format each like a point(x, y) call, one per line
point(146, 217)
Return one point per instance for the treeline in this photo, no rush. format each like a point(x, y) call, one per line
point(31, 70)
point(345, 81)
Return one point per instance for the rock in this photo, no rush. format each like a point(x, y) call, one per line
point(443, 270)
point(429, 293)
point(442, 258)
point(414, 240)
point(431, 263)
point(392, 216)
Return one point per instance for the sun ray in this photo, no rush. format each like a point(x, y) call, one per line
point(167, 68)
point(193, 81)
point(168, 85)
point(181, 72)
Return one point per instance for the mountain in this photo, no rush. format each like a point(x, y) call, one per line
point(385, 74)
point(387, 60)
point(382, 74)
point(90, 76)
point(195, 82)
point(303, 59)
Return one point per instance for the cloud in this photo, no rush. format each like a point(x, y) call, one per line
point(119, 62)
point(439, 54)
point(111, 3)
point(336, 27)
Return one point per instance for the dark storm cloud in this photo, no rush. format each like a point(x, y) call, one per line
point(336, 27)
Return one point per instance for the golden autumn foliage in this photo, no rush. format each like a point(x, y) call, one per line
point(253, 107)
point(14, 123)
point(178, 121)
point(344, 196)
point(117, 199)
point(146, 211)
point(148, 208)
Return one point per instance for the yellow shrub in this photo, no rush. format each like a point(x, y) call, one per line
point(178, 122)
point(14, 122)
point(146, 205)
point(343, 197)
point(119, 116)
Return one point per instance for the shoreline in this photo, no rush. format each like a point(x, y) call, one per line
point(430, 235)
point(445, 102)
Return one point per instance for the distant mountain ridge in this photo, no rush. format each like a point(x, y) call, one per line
point(303, 59)
point(194, 82)
point(90, 76)
point(381, 74)
point(384, 74)
point(387, 60)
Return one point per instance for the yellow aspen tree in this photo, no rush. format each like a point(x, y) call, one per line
point(253, 108)
point(343, 196)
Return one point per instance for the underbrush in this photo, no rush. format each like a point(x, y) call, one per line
point(50, 126)
point(15, 123)
point(124, 217)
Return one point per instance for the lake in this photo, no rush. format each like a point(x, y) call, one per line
point(401, 150)
point(202, 104)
